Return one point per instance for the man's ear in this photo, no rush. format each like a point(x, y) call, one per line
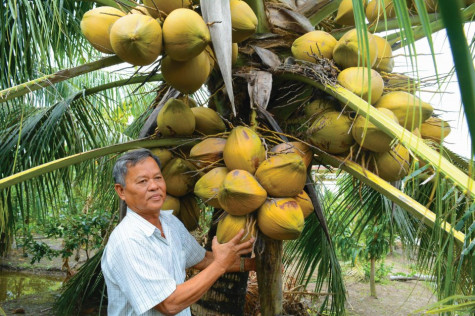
point(120, 191)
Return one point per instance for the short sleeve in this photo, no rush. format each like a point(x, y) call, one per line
point(194, 253)
point(139, 273)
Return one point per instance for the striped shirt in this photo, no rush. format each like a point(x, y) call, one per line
point(141, 268)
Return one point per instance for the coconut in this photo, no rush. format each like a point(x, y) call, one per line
point(136, 39)
point(185, 34)
point(435, 128)
point(344, 15)
point(211, 58)
point(372, 138)
point(356, 79)
point(171, 203)
point(243, 21)
point(295, 147)
point(305, 203)
point(351, 51)
point(280, 219)
point(392, 165)
point(229, 226)
point(179, 176)
point(409, 109)
point(140, 10)
point(282, 175)
point(318, 43)
point(175, 119)
point(186, 76)
point(235, 52)
point(166, 6)
point(384, 59)
point(207, 187)
point(208, 121)
point(331, 132)
point(163, 154)
point(207, 152)
point(244, 150)
point(321, 105)
point(379, 9)
point(240, 193)
point(189, 213)
point(96, 25)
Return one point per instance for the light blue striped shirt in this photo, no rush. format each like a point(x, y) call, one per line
point(141, 268)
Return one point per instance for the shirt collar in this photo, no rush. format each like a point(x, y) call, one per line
point(144, 225)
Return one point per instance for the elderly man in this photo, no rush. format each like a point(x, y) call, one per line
point(146, 256)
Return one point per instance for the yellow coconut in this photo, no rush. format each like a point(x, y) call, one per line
point(207, 152)
point(319, 106)
point(305, 203)
point(409, 109)
point(280, 219)
point(175, 119)
point(186, 76)
point(351, 51)
point(295, 147)
point(282, 175)
point(166, 6)
point(163, 154)
point(189, 213)
point(435, 128)
point(357, 80)
point(244, 150)
point(208, 121)
point(211, 58)
point(384, 59)
point(235, 52)
point(140, 10)
point(243, 21)
point(185, 34)
point(373, 138)
point(136, 39)
point(179, 175)
point(229, 226)
point(240, 193)
point(318, 43)
point(344, 15)
point(380, 9)
point(331, 133)
point(171, 203)
point(96, 25)
point(392, 165)
point(207, 187)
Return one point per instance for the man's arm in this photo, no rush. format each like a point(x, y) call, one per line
point(223, 258)
point(249, 263)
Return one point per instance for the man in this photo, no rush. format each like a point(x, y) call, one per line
point(146, 256)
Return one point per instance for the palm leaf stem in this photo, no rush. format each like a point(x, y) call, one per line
point(92, 154)
point(323, 13)
point(408, 139)
point(59, 76)
point(259, 9)
point(415, 208)
point(462, 57)
point(123, 82)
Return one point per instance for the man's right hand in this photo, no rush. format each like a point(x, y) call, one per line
point(226, 254)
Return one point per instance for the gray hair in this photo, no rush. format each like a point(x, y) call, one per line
point(130, 159)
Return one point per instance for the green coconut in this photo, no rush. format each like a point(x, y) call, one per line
point(208, 121)
point(163, 154)
point(331, 133)
point(243, 21)
point(351, 51)
point(180, 177)
point(175, 119)
point(189, 213)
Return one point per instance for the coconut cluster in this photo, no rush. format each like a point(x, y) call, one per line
point(364, 63)
point(171, 29)
point(255, 187)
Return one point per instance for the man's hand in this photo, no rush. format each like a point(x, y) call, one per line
point(225, 255)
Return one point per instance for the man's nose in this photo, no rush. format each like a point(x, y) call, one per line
point(153, 185)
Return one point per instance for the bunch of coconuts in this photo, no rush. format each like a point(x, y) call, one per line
point(254, 187)
point(167, 28)
point(336, 131)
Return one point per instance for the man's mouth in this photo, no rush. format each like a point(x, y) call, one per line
point(155, 197)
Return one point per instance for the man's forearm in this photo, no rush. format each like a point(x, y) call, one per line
point(189, 292)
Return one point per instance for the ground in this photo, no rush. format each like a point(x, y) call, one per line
point(394, 298)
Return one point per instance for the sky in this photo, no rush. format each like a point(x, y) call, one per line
point(446, 100)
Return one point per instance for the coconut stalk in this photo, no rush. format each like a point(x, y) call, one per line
point(51, 79)
point(259, 8)
point(269, 275)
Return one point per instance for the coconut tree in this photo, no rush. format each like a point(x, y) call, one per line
point(52, 122)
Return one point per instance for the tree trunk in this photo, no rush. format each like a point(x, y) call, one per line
point(269, 275)
point(372, 282)
point(227, 296)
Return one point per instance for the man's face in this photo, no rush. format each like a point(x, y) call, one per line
point(145, 188)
